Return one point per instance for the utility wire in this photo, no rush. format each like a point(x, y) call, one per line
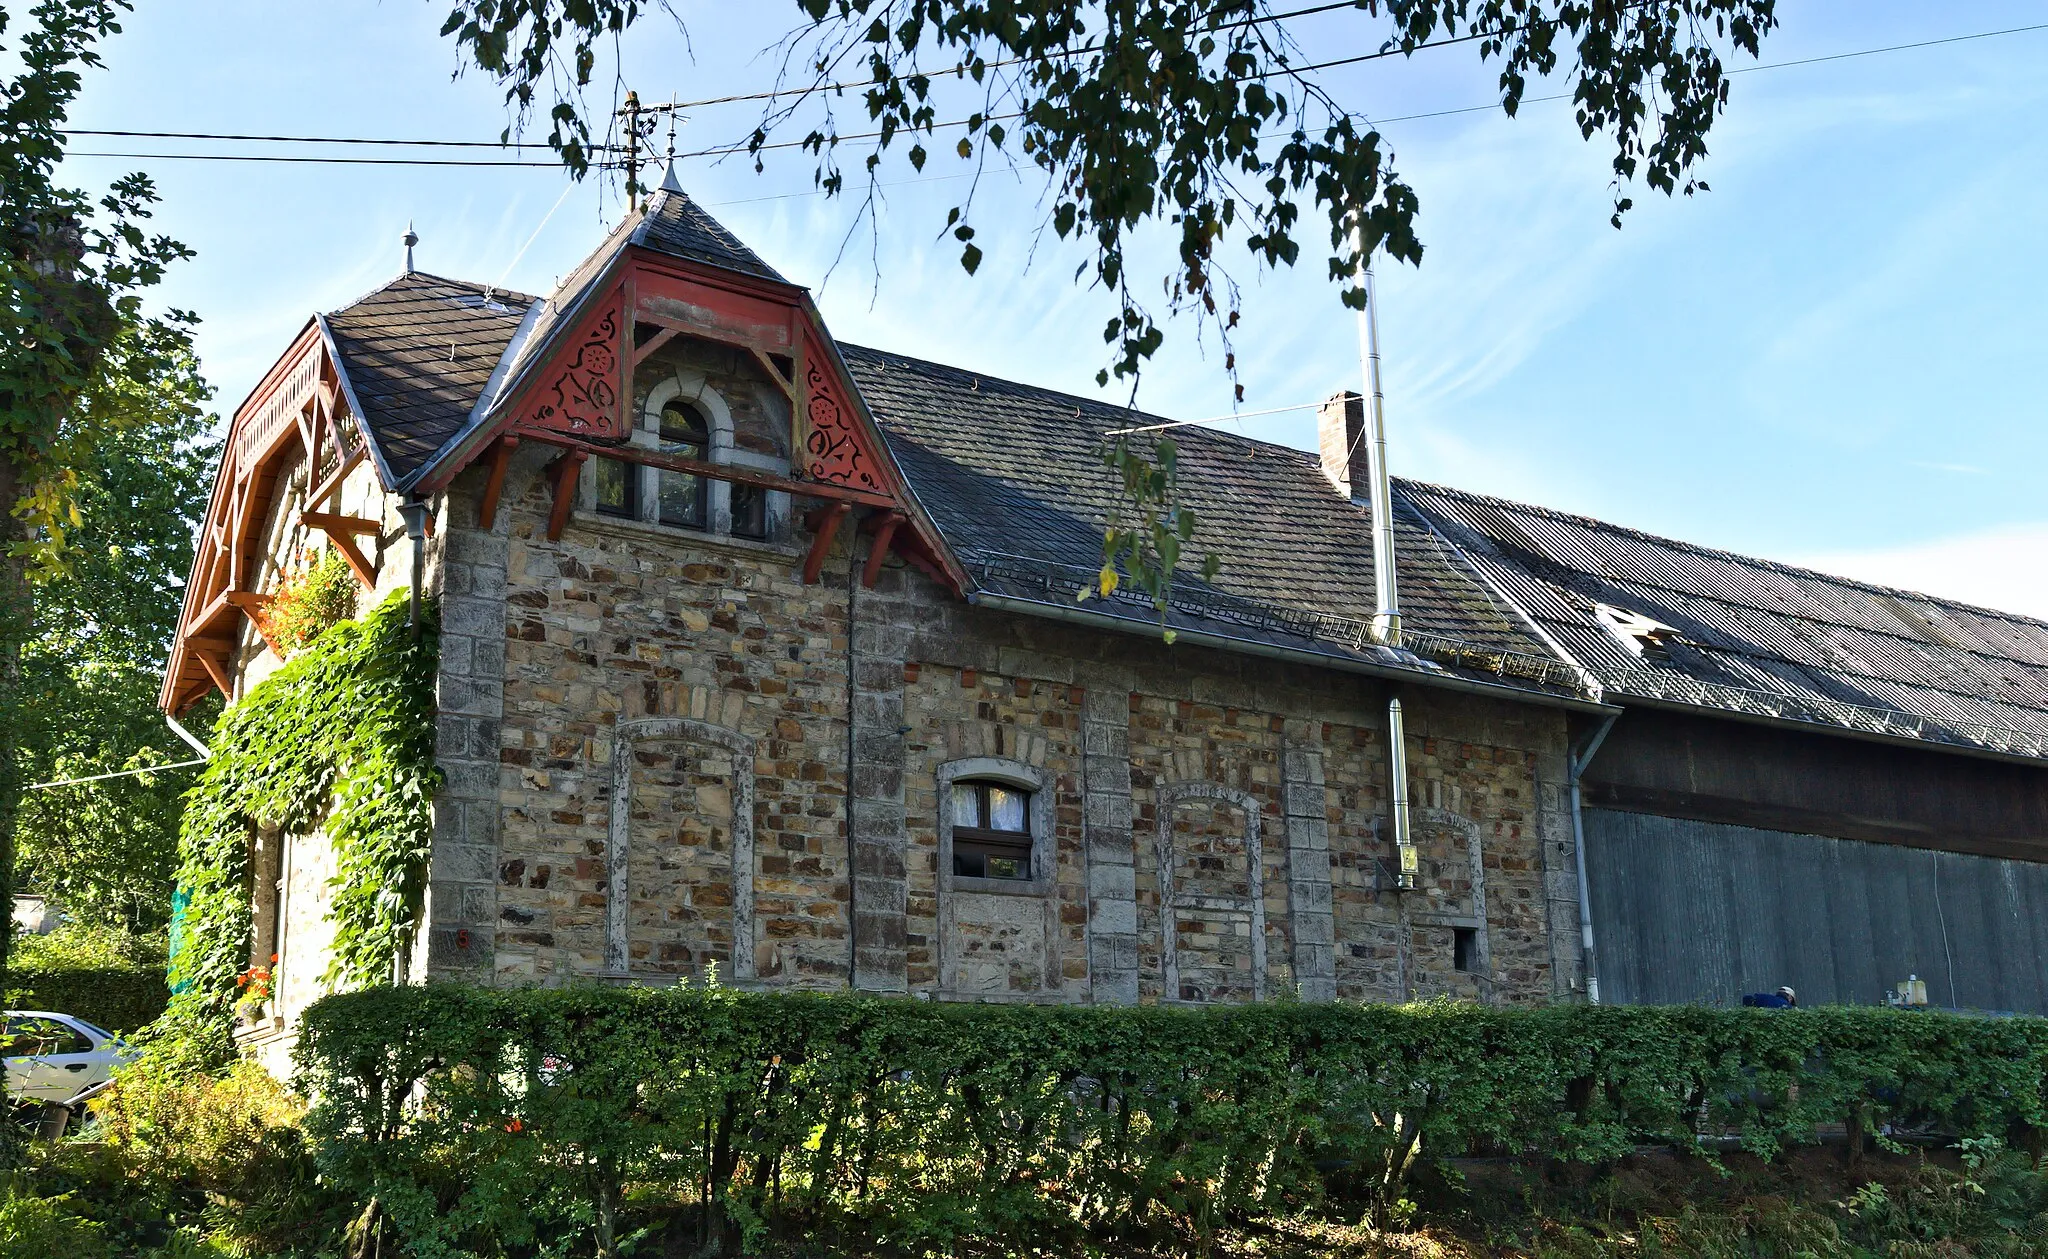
point(731, 149)
point(216, 135)
point(330, 161)
point(1241, 415)
point(119, 773)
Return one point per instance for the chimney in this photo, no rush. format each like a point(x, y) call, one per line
point(1339, 422)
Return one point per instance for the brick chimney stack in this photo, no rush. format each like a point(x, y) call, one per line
point(1339, 421)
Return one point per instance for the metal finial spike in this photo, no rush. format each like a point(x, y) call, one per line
point(410, 239)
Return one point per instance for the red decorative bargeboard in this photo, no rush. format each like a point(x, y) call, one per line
point(835, 448)
point(580, 394)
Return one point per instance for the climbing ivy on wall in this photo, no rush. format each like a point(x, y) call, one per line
point(341, 739)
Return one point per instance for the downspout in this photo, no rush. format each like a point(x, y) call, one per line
point(1386, 621)
point(1576, 761)
point(177, 728)
point(414, 512)
point(846, 796)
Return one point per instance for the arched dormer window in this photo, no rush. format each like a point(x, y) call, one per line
point(684, 416)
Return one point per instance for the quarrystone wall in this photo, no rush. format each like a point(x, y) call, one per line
point(747, 714)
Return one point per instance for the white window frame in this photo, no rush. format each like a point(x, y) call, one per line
point(690, 386)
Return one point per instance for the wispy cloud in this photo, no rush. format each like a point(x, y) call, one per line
point(2004, 568)
point(1964, 469)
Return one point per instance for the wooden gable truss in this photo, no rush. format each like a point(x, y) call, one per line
point(579, 401)
point(299, 413)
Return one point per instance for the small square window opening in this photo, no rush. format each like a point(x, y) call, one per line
point(1464, 949)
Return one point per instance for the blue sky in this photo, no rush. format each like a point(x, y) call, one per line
point(1833, 357)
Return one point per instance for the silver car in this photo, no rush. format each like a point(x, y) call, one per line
point(56, 1057)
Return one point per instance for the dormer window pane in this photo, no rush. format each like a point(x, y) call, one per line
point(684, 497)
point(991, 831)
point(966, 804)
point(749, 511)
point(618, 483)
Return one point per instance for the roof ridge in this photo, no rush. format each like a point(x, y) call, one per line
point(1695, 548)
point(403, 276)
point(1048, 391)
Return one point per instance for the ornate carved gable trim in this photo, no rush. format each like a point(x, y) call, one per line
point(579, 393)
point(837, 448)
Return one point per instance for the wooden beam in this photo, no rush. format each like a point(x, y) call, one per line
point(885, 534)
point(214, 607)
point(782, 382)
point(353, 554)
point(501, 455)
point(248, 600)
point(334, 524)
point(564, 471)
point(213, 671)
point(332, 484)
point(642, 353)
point(825, 526)
point(727, 472)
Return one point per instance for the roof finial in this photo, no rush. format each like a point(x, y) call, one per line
point(669, 182)
point(410, 239)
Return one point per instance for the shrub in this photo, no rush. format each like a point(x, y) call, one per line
point(43, 1228)
point(230, 1143)
point(106, 977)
point(483, 1119)
point(119, 998)
point(310, 603)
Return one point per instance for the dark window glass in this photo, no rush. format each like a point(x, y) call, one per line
point(34, 1037)
point(1464, 948)
point(749, 511)
point(618, 488)
point(991, 831)
point(684, 500)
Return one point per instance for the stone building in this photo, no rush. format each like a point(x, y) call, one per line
point(762, 658)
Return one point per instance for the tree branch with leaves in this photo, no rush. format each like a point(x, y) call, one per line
point(80, 357)
point(1200, 116)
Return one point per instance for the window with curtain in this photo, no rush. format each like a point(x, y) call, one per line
point(991, 830)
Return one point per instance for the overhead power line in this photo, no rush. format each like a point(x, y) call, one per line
point(728, 150)
point(119, 773)
point(219, 135)
point(330, 161)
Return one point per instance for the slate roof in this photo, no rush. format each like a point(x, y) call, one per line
point(1011, 476)
point(676, 225)
point(417, 352)
point(670, 223)
point(1758, 637)
point(1491, 590)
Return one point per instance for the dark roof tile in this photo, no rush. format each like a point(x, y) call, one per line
point(417, 352)
point(1756, 634)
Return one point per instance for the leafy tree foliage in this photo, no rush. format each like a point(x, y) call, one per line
point(1199, 115)
point(107, 851)
point(80, 357)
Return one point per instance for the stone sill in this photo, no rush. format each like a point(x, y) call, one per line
point(631, 530)
point(973, 885)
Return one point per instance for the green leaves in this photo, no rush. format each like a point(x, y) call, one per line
point(938, 1128)
point(341, 738)
point(1148, 526)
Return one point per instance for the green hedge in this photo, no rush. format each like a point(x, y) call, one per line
point(483, 1119)
point(120, 998)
